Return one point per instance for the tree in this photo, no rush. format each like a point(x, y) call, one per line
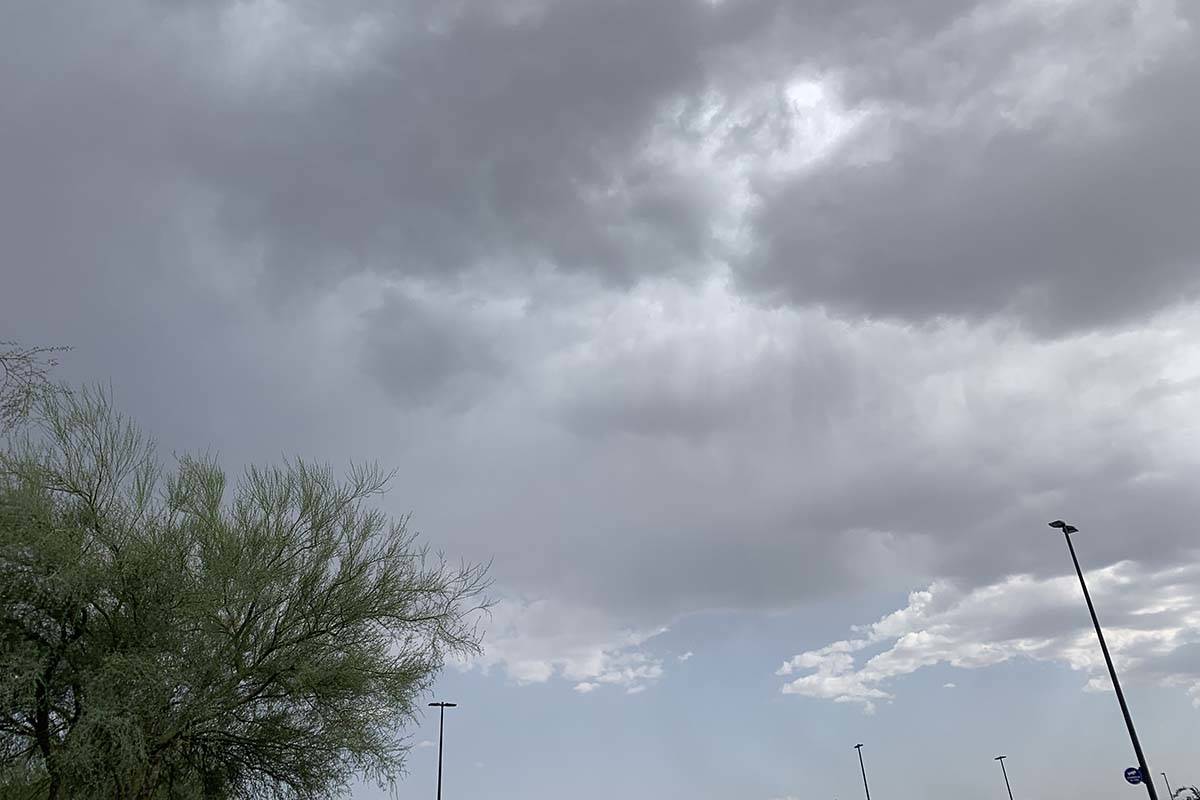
point(164, 636)
point(24, 373)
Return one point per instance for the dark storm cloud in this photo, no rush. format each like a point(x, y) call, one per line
point(439, 141)
point(1074, 218)
point(488, 140)
point(429, 139)
point(504, 137)
point(442, 139)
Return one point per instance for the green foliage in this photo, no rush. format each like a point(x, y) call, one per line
point(163, 635)
point(23, 376)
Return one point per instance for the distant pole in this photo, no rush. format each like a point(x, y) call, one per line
point(441, 730)
point(1002, 769)
point(1112, 672)
point(1168, 783)
point(863, 767)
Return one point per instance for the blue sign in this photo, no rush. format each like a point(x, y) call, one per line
point(1133, 775)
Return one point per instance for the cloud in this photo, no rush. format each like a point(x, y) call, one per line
point(755, 303)
point(686, 656)
point(984, 182)
point(853, 453)
point(536, 641)
point(951, 160)
point(426, 743)
point(504, 136)
point(1152, 619)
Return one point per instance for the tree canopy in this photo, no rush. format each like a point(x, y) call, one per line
point(24, 373)
point(165, 634)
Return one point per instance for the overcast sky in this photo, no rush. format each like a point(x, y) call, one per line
point(755, 341)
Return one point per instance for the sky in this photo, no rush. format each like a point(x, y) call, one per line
point(754, 342)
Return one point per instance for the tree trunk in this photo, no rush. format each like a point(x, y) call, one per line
point(41, 727)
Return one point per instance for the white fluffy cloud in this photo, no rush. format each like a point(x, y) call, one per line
point(539, 640)
point(1149, 617)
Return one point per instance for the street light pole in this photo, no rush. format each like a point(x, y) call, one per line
point(1002, 769)
point(1168, 783)
point(441, 729)
point(1112, 672)
point(863, 767)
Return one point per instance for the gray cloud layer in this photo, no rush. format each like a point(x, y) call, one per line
point(1015, 159)
point(670, 306)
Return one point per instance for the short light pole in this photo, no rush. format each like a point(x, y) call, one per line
point(1002, 769)
point(441, 729)
point(863, 767)
point(1168, 783)
point(1112, 672)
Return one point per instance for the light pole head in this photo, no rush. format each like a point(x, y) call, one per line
point(1064, 527)
point(858, 746)
point(443, 705)
point(999, 758)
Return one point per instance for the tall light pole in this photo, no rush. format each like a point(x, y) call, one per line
point(1112, 672)
point(1002, 769)
point(863, 767)
point(1168, 783)
point(441, 729)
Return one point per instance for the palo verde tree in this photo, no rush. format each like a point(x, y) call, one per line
point(24, 374)
point(164, 634)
